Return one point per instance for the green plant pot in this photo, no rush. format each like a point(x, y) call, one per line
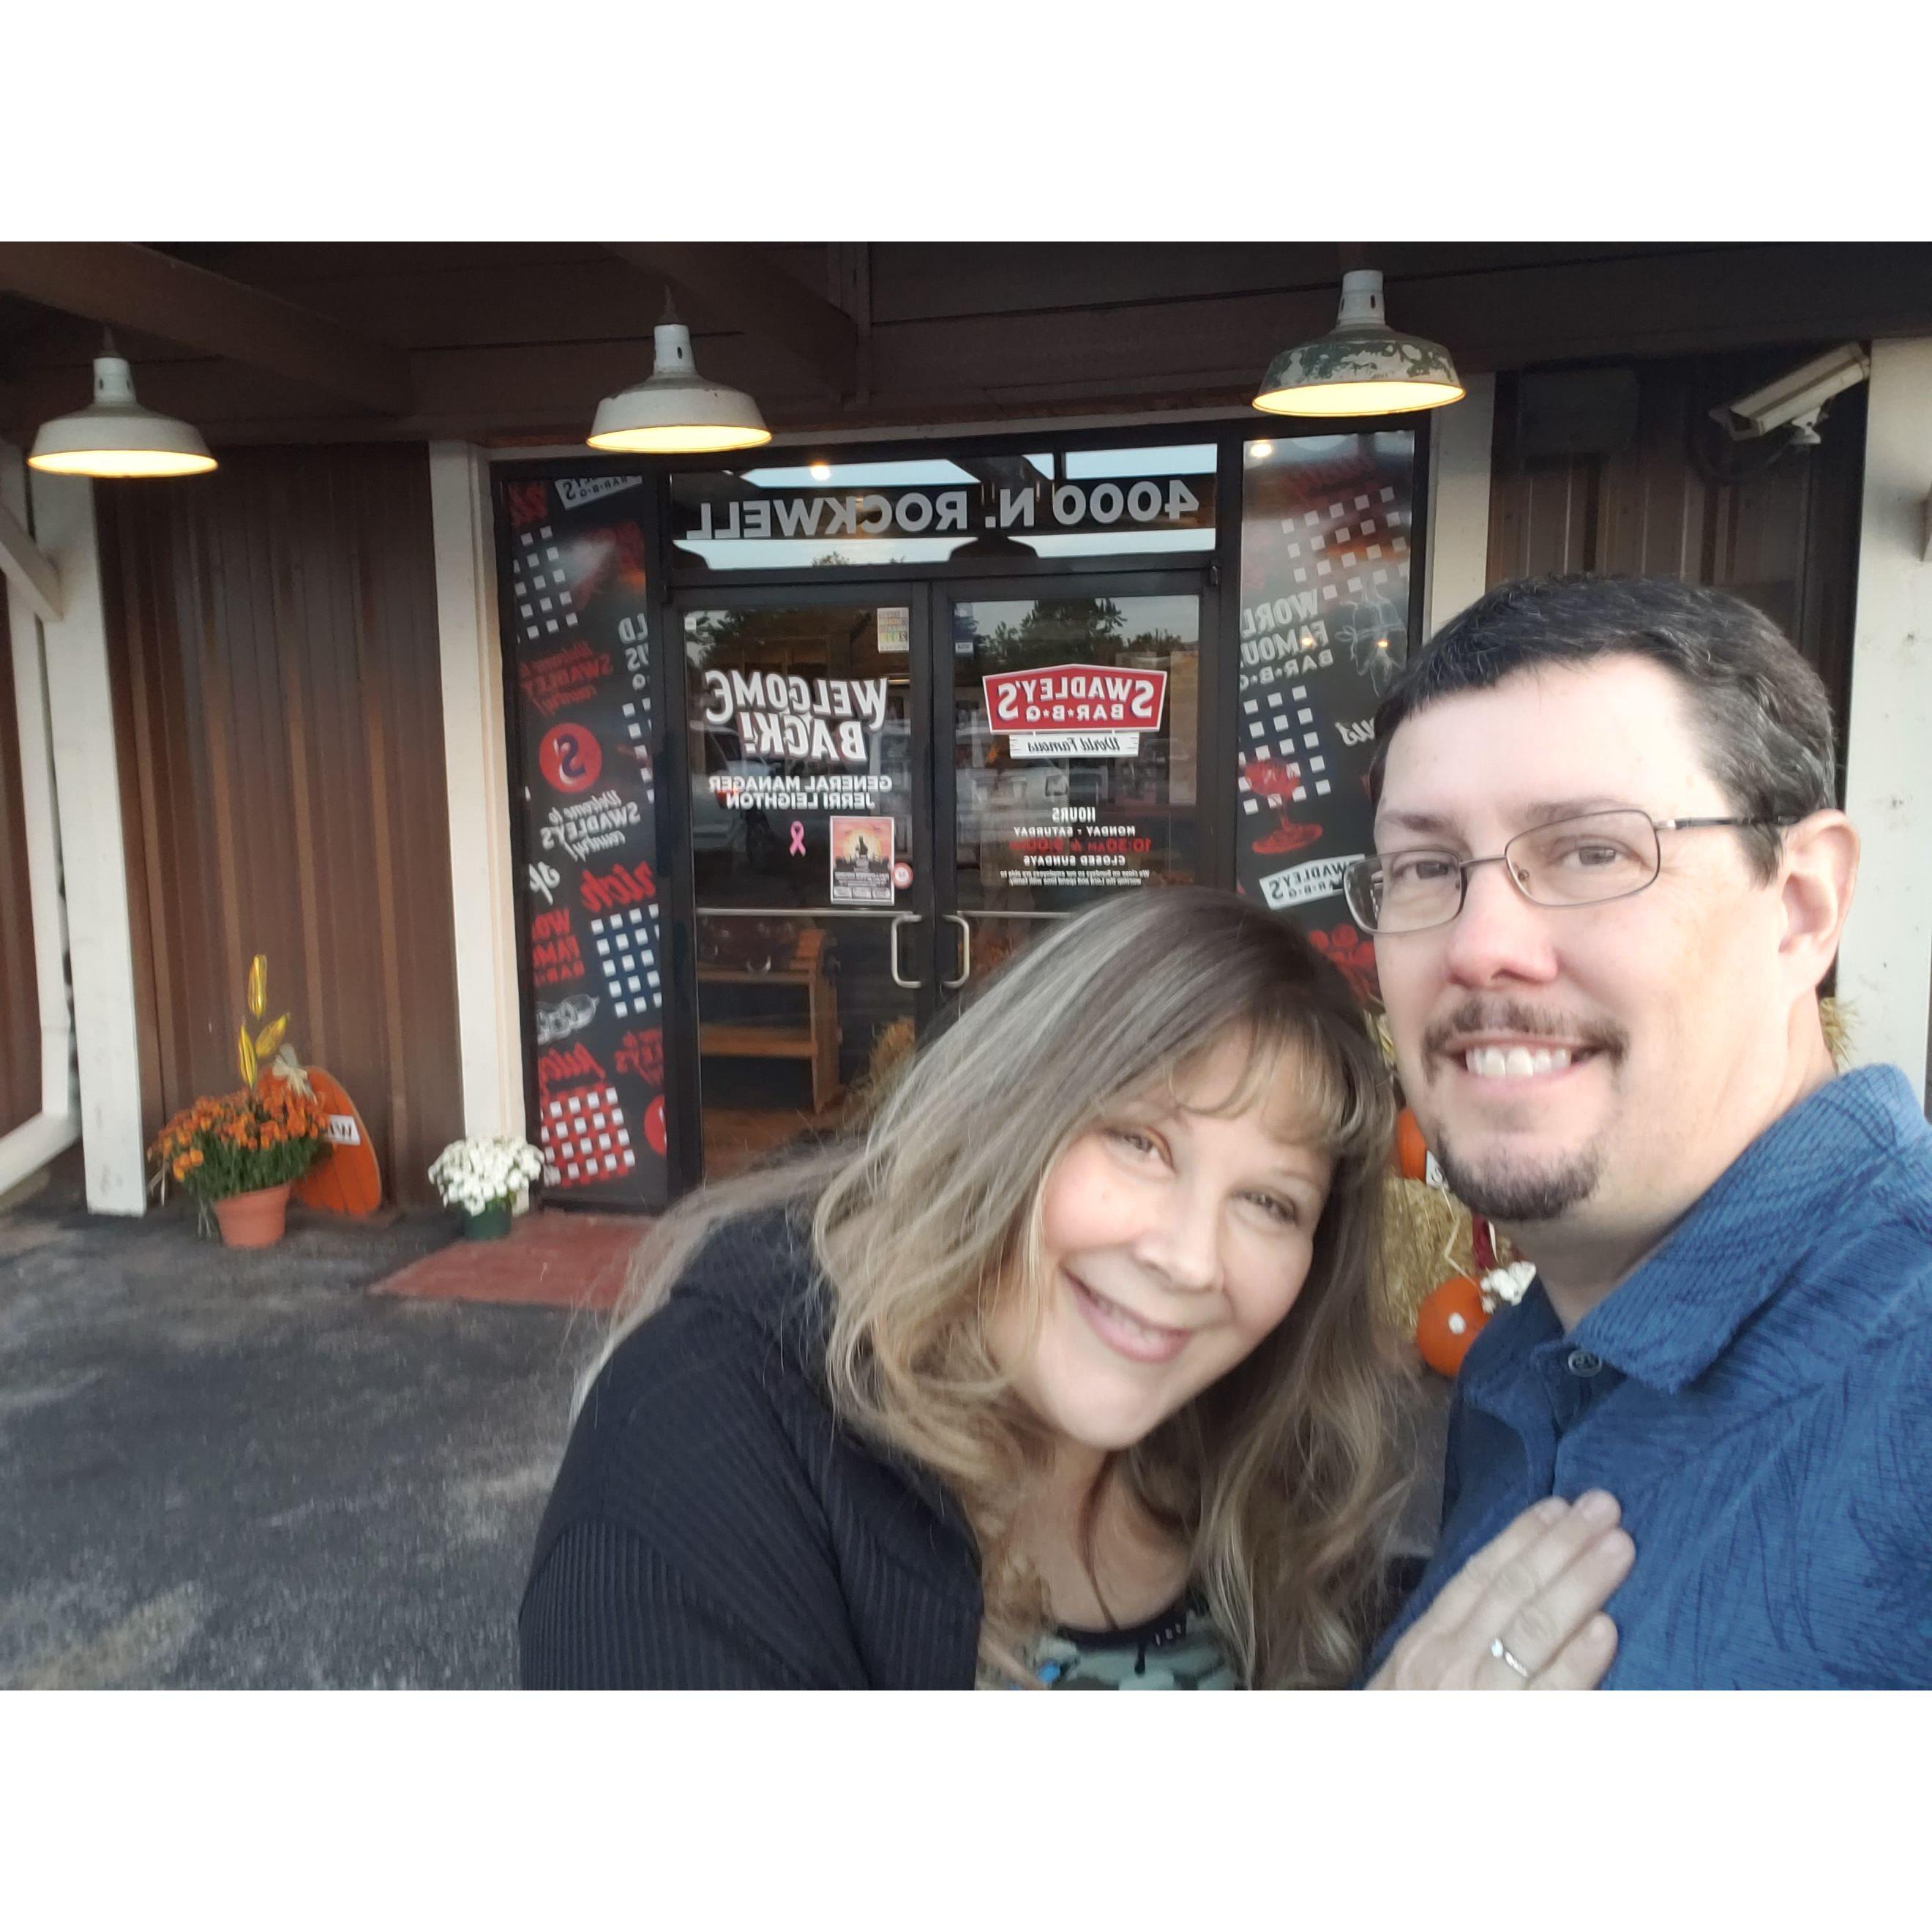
point(492, 1224)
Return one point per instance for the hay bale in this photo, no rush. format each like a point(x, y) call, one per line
point(1427, 1236)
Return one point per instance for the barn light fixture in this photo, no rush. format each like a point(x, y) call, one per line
point(674, 411)
point(1362, 367)
point(114, 436)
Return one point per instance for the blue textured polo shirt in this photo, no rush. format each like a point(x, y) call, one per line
point(1758, 1396)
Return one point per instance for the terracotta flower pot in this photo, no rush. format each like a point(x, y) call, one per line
point(256, 1220)
point(492, 1224)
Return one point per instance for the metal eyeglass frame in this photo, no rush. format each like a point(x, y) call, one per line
point(1465, 866)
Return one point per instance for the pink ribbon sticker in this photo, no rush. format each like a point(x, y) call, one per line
point(798, 839)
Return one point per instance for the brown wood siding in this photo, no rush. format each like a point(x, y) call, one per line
point(1785, 537)
point(19, 983)
point(273, 632)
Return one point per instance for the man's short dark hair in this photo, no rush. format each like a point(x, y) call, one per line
point(1760, 710)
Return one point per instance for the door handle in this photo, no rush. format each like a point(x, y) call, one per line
point(965, 952)
point(899, 920)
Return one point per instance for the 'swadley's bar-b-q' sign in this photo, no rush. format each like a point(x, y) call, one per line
point(1069, 710)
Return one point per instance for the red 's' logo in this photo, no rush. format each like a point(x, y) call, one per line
point(570, 757)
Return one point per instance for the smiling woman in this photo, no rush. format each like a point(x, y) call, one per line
point(1065, 1370)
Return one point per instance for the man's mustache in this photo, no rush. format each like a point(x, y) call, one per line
point(1478, 1014)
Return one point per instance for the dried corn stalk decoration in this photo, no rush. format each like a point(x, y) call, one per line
point(252, 1050)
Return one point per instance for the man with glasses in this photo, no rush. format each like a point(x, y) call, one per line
point(1609, 879)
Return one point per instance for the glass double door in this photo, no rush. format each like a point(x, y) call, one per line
point(892, 792)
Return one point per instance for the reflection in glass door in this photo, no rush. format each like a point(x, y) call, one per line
point(1075, 729)
point(810, 952)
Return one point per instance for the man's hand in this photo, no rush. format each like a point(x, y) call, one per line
point(1525, 1611)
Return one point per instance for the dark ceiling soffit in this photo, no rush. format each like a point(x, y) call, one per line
point(128, 286)
point(739, 283)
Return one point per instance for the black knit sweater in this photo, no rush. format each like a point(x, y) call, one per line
point(713, 1526)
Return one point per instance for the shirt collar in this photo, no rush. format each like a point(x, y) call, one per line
point(1671, 1318)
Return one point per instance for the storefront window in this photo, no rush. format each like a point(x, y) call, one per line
point(1097, 503)
point(1090, 526)
point(577, 636)
point(1326, 526)
point(799, 721)
point(1075, 725)
point(802, 818)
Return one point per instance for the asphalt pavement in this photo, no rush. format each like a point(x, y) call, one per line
point(220, 1468)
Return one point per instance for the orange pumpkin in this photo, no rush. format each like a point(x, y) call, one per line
point(343, 1178)
point(1451, 1317)
point(1411, 1152)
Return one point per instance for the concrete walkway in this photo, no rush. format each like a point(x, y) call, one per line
point(222, 1468)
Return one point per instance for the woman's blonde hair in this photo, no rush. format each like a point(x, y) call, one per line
point(1283, 1479)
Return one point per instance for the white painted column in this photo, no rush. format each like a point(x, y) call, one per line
point(1457, 555)
point(30, 1146)
point(1884, 966)
point(476, 762)
point(87, 781)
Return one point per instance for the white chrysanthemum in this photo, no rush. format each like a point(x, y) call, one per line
point(478, 1173)
point(1509, 1283)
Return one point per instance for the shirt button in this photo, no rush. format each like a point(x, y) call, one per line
point(1582, 1362)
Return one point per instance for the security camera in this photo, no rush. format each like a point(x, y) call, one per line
point(1799, 398)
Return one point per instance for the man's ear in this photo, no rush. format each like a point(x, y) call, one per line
point(1820, 872)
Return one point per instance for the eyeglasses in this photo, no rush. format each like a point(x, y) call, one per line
point(1581, 861)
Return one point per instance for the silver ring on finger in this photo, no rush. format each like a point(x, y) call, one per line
point(1500, 1650)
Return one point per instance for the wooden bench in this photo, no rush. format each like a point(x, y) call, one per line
point(816, 1040)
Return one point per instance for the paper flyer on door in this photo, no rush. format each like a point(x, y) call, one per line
point(861, 861)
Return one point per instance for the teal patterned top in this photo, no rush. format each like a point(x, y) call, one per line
point(1179, 1650)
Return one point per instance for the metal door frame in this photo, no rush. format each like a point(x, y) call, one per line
point(915, 949)
point(1214, 866)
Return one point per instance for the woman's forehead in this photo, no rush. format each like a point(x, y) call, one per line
point(1274, 1080)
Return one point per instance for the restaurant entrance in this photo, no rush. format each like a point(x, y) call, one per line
point(894, 789)
point(800, 752)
